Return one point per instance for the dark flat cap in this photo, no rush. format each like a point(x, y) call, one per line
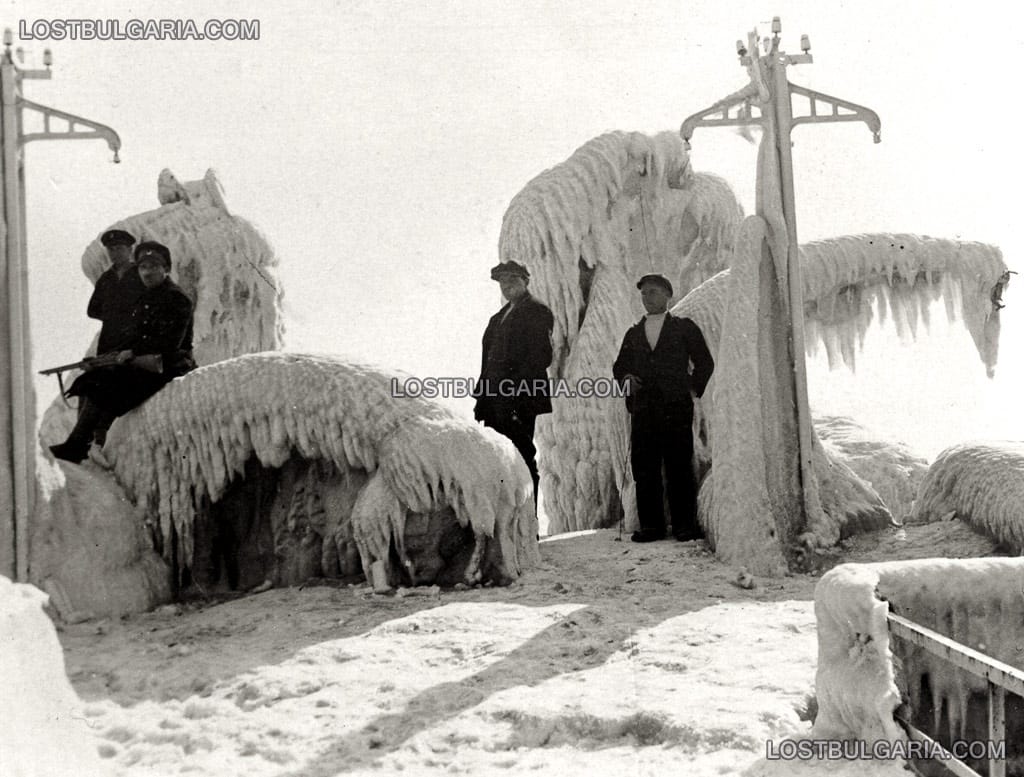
point(509, 268)
point(661, 280)
point(117, 237)
point(150, 249)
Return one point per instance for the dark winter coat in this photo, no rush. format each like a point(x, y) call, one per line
point(112, 302)
point(160, 323)
point(664, 371)
point(516, 355)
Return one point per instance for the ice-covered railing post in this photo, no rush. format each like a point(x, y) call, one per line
point(17, 413)
point(767, 102)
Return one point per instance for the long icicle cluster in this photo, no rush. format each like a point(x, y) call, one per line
point(193, 438)
point(845, 277)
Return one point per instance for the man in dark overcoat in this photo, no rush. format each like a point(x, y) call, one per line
point(513, 388)
point(116, 291)
point(654, 366)
point(157, 349)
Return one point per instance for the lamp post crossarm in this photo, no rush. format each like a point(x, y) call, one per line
point(741, 102)
point(97, 130)
point(832, 114)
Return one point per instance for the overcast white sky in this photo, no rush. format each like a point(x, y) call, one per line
point(377, 145)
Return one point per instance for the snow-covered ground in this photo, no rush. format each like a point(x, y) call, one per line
point(610, 658)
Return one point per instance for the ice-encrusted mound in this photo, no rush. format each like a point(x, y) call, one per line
point(982, 483)
point(90, 550)
point(890, 468)
point(976, 602)
point(402, 458)
point(43, 733)
point(623, 205)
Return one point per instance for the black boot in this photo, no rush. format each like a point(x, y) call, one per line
point(76, 447)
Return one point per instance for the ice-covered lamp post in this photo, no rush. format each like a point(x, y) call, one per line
point(767, 102)
point(17, 412)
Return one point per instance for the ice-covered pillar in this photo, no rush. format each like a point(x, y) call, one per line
point(779, 494)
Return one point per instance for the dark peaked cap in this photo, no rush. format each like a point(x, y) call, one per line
point(117, 237)
point(509, 268)
point(661, 280)
point(150, 249)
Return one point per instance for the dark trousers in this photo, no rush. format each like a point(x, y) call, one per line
point(519, 429)
point(92, 423)
point(662, 434)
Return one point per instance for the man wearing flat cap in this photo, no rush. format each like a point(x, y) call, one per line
point(654, 366)
point(156, 349)
point(116, 291)
point(513, 387)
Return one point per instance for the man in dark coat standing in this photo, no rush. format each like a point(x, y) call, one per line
point(156, 349)
point(513, 388)
point(116, 291)
point(654, 366)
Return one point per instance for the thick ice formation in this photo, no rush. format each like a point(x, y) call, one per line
point(981, 483)
point(43, 733)
point(89, 549)
point(587, 229)
point(228, 268)
point(892, 470)
point(975, 602)
point(411, 457)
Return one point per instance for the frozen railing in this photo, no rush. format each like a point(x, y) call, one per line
point(999, 676)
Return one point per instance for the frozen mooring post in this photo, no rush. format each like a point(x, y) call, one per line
point(17, 411)
point(767, 102)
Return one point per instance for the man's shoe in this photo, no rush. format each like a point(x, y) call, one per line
point(69, 452)
point(647, 535)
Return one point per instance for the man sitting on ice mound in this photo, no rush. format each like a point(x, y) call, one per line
point(156, 348)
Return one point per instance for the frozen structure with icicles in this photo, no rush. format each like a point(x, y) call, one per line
point(399, 482)
point(266, 467)
point(980, 483)
point(89, 550)
point(867, 681)
point(845, 280)
point(622, 206)
point(626, 204)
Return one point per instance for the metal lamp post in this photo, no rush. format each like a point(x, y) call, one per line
point(767, 100)
point(17, 411)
